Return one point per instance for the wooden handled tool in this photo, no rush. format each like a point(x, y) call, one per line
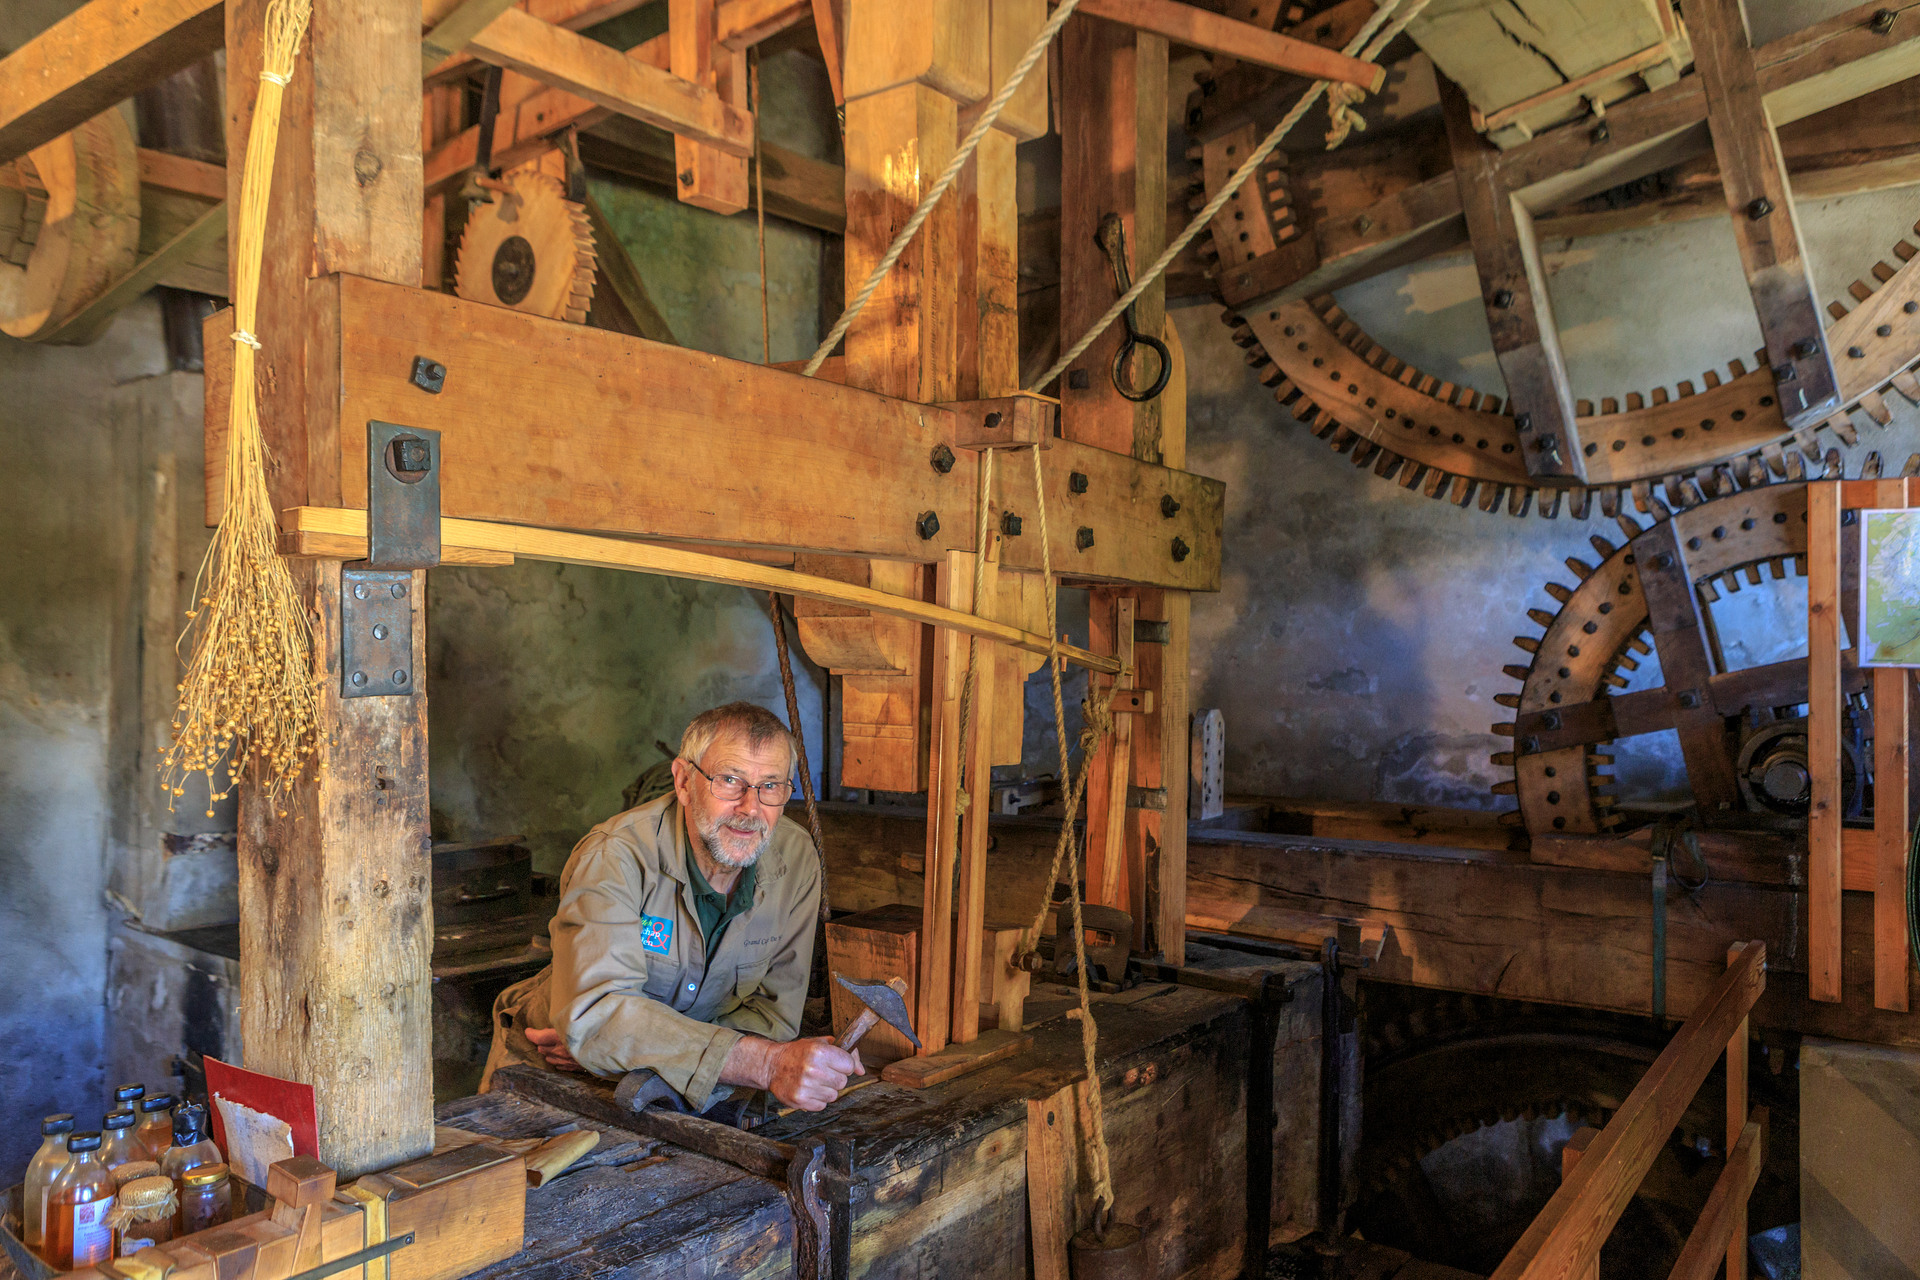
point(882, 1000)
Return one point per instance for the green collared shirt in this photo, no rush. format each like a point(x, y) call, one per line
point(716, 910)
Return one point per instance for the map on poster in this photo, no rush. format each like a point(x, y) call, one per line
point(1890, 588)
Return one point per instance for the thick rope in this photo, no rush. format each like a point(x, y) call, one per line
point(799, 743)
point(1034, 53)
point(1099, 725)
point(1226, 193)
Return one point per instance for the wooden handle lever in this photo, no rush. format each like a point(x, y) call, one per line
point(857, 1028)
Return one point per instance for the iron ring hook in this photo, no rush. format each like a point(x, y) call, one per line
point(1158, 347)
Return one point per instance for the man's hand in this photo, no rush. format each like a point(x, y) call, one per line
point(551, 1048)
point(807, 1074)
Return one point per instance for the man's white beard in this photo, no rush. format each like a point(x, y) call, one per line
point(721, 842)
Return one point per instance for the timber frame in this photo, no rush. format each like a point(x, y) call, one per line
point(590, 459)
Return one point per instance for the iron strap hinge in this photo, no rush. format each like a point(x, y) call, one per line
point(403, 534)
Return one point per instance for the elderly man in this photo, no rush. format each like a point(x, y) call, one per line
point(684, 936)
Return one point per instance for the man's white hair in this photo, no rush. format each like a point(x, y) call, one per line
point(756, 724)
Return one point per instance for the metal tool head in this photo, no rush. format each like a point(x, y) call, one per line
point(887, 999)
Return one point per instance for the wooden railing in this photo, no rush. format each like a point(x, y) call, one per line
point(1601, 1171)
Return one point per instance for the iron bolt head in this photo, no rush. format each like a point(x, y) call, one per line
point(1078, 380)
point(1664, 560)
point(1599, 133)
point(1911, 307)
point(927, 525)
point(942, 459)
point(992, 420)
point(359, 677)
point(398, 590)
point(1883, 331)
point(1010, 525)
point(359, 591)
point(1523, 421)
point(1363, 224)
point(1855, 353)
point(1168, 507)
point(1083, 538)
point(412, 455)
point(1806, 348)
point(380, 631)
point(1529, 745)
point(1690, 699)
point(1550, 720)
point(1882, 22)
point(399, 677)
point(428, 375)
point(1550, 445)
point(1077, 482)
point(686, 177)
point(1181, 550)
point(1503, 298)
point(1785, 373)
point(1758, 208)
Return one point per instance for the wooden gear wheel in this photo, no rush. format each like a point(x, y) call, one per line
point(1659, 449)
point(1567, 706)
point(69, 225)
point(530, 250)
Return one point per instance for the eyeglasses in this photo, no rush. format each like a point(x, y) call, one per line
point(728, 787)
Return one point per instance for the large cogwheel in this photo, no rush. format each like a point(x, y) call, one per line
point(531, 250)
point(1673, 448)
point(1567, 705)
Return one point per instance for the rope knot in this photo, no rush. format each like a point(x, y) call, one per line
point(241, 335)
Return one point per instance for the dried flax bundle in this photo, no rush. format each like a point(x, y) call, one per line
point(249, 691)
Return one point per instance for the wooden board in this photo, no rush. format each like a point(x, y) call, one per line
point(874, 946)
point(692, 446)
point(956, 1059)
point(1191, 26)
point(93, 58)
point(707, 177)
point(1823, 739)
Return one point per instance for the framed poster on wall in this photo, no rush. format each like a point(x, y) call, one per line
point(1890, 588)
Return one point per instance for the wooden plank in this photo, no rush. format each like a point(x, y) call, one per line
point(1169, 723)
point(956, 1060)
point(609, 79)
point(707, 178)
point(1823, 740)
point(1736, 1091)
point(1680, 638)
point(1274, 924)
point(771, 443)
point(335, 913)
point(451, 34)
point(969, 930)
point(1724, 1215)
point(670, 561)
point(1111, 879)
point(1050, 1182)
point(1197, 28)
point(1513, 288)
point(1766, 226)
point(1569, 1231)
point(99, 54)
point(1114, 110)
point(741, 24)
point(182, 175)
point(933, 1017)
point(1570, 1156)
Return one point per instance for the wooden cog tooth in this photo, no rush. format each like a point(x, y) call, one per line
point(1518, 672)
point(1506, 788)
point(1508, 700)
point(1503, 729)
point(1581, 569)
point(1560, 593)
point(1503, 759)
point(1870, 469)
point(1541, 616)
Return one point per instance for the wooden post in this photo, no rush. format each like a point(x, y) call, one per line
point(1823, 740)
point(1569, 1158)
point(1891, 809)
point(1736, 1123)
point(1111, 876)
point(969, 926)
point(336, 917)
point(1051, 1176)
point(932, 1018)
point(705, 176)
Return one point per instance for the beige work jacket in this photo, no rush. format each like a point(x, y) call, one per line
point(631, 985)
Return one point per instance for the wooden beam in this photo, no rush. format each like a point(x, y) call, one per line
point(1680, 638)
point(452, 33)
point(715, 450)
point(93, 58)
point(1112, 878)
point(182, 175)
point(89, 321)
point(612, 80)
point(1823, 740)
point(560, 547)
point(1766, 226)
point(935, 1011)
point(1513, 288)
point(1735, 1249)
point(705, 177)
point(624, 278)
point(336, 913)
point(1569, 1231)
point(1197, 28)
point(799, 189)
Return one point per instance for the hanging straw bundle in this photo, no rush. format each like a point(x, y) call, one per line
point(249, 691)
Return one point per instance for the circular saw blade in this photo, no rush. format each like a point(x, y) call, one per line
point(531, 250)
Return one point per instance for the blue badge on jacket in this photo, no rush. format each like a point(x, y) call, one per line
point(656, 935)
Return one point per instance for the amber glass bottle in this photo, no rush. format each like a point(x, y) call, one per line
point(119, 1145)
point(128, 1096)
point(45, 1166)
point(77, 1206)
point(156, 1124)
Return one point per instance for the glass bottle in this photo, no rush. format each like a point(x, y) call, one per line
point(77, 1208)
point(156, 1124)
point(128, 1096)
point(45, 1166)
point(206, 1199)
point(119, 1144)
point(192, 1148)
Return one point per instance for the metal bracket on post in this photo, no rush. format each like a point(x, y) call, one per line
point(403, 534)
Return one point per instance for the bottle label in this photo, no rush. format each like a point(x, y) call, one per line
point(92, 1237)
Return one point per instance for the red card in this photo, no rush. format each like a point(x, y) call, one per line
point(287, 1100)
